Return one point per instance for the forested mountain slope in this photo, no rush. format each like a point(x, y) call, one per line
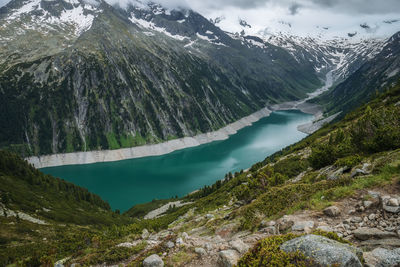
point(341, 163)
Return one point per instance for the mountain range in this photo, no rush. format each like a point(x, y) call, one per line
point(79, 76)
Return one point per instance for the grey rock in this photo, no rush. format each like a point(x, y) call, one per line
point(301, 226)
point(170, 244)
point(228, 258)
point(374, 194)
point(271, 230)
point(385, 243)
point(200, 251)
point(368, 204)
point(357, 172)
point(208, 246)
point(179, 241)
point(239, 246)
point(210, 216)
point(393, 202)
point(390, 204)
point(372, 233)
point(324, 251)
point(325, 228)
point(285, 223)
point(366, 167)
point(372, 217)
point(335, 175)
point(356, 219)
point(153, 261)
point(332, 211)
point(381, 257)
point(145, 234)
point(185, 236)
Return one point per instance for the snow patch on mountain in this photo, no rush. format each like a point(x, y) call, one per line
point(33, 16)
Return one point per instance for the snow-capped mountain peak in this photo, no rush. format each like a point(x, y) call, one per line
point(46, 15)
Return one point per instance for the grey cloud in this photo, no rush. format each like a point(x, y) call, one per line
point(338, 6)
point(294, 8)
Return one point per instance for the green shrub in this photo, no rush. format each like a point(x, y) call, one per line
point(267, 253)
point(349, 161)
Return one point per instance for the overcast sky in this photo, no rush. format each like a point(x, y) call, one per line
point(330, 17)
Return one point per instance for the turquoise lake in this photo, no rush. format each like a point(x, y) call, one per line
point(129, 182)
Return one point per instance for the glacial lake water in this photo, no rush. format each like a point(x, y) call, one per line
point(129, 182)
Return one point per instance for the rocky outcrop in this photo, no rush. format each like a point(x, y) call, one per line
point(324, 251)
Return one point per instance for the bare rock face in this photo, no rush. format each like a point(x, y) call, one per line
point(324, 251)
point(153, 261)
point(332, 211)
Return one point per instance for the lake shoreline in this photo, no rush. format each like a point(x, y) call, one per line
point(89, 157)
point(97, 156)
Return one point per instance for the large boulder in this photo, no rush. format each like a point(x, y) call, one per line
point(324, 251)
point(153, 261)
point(372, 233)
point(381, 257)
point(228, 258)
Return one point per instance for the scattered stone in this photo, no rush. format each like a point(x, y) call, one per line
point(209, 216)
point(381, 257)
point(366, 167)
point(372, 217)
point(332, 211)
point(357, 172)
point(271, 230)
point(325, 228)
point(390, 204)
point(335, 175)
point(301, 226)
point(145, 234)
point(228, 258)
point(356, 219)
point(153, 261)
point(208, 246)
point(179, 241)
point(368, 204)
point(200, 251)
point(185, 236)
point(372, 233)
point(239, 246)
point(170, 244)
point(393, 202)
point(324, 251)
point(385, 243)
point(285, 223)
